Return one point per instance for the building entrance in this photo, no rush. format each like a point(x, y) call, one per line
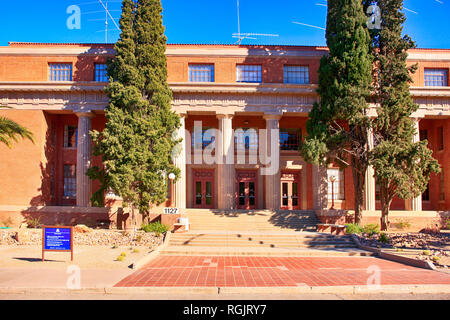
point(203, 189)
point(246, 183)
point(290, 190)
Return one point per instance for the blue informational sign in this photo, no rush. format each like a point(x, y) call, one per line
point(57, 239)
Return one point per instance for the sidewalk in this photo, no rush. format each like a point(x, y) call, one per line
point(178, 276)
point(22, 267)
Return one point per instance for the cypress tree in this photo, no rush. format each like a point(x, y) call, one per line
point(402, 167)
point(137, 143)
point(338, 125)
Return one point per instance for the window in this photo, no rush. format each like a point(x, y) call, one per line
point(248, 73)
point(426, 194)
point(70, 137)
point(377, 191)
point(70, 181)
point(52, 180)
point(337, 187)
point(441, 138)
point(111, 194)
point(423, 135)
point(201, 73)
point(436, 77)
point(442, 186)
point(52, 134)
point(203, 140)
point(296, 74)
point(60, 72)
point(100, 72)
point(290, 139)
point(246, 139)
point(169, 189)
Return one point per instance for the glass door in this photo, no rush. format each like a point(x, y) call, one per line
point(246, 190)
point(290, 195)
point(204, 189)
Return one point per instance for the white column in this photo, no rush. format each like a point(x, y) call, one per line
point(369, 190)
point(225, 155)
point(180, 162)
point(415, 204)
point(320, 188)
point(272, 176)
point(84, 146)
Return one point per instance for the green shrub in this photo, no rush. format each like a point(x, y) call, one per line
point(448, 224)
point(33, 222)
point(353, 228)
point(383, 238)
point(156, 227)
point(426, 252)
point(123, 254)
point(7, 222)
point(436, 259)
point(136, 251)
point(403, 224)
point(371, 229)
point(120, 258)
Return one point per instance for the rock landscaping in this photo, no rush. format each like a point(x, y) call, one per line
point(84, 235)
point(429, 246)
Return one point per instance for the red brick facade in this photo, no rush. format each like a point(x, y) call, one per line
point(33, 174)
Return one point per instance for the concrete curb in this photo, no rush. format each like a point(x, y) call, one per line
point(412, 289)
point(409, 261)
point(152, 255)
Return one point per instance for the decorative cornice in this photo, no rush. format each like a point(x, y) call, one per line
point(55, 51)
point(49, 86)
point(193, 50)
point(206, 88)
point(263, 88)
point(430, 91)
point(197, 97)
point(430, 55)
point(244, 52)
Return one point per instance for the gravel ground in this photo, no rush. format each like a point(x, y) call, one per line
point(433, 247)
point(84, 236)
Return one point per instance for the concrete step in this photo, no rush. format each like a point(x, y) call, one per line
point(243, 245)
point(258, 235)
point(243, 236)
point(265, 251)
point(288, 240)
point(251, 220)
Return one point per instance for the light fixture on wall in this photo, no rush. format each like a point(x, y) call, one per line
point(332, 179)
point(246, 122)
point(172, 189)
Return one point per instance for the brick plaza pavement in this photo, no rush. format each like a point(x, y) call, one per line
point(241, 271)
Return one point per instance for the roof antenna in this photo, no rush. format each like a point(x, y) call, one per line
point(241, 36)
point(107, 13)
point(106, 21)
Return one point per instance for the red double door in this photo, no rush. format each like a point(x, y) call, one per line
point(203, 189)
point(246, 184)
point(290, 190)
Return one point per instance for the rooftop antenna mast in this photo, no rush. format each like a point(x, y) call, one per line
point(106, 21)
point(106, 4)
point(107, 13)
point(241, 36)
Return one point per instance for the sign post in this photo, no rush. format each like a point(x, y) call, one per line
point(57, 239)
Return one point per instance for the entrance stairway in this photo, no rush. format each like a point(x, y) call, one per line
point(257, 233)
point(252, 220)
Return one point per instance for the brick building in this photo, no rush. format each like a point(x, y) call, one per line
point(56, 91)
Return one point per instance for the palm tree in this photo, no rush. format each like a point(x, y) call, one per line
point(11, 131)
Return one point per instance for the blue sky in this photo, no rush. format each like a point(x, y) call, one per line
point(208, 21)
